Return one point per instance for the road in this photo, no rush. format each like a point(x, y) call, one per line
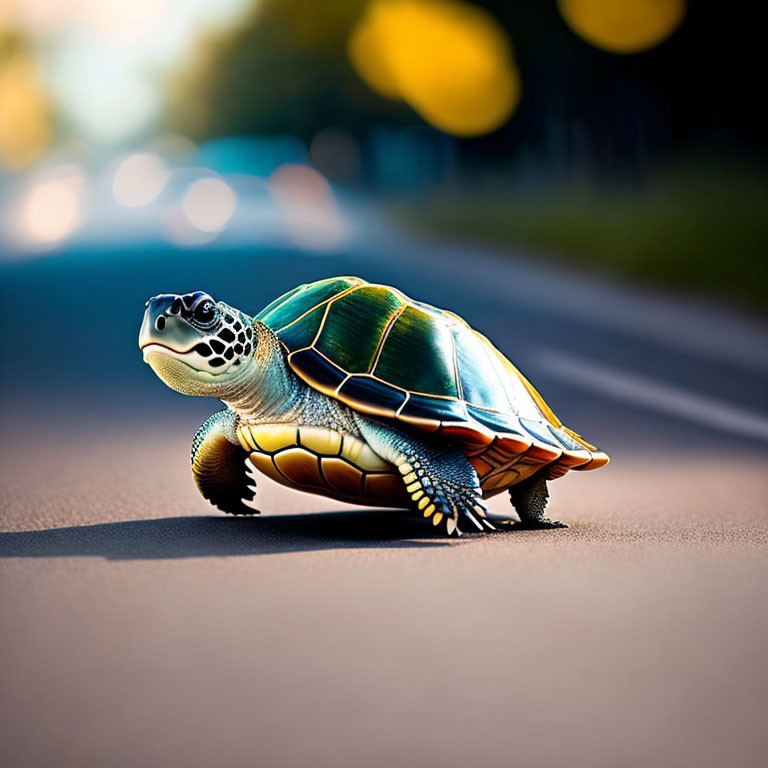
point(142, 628)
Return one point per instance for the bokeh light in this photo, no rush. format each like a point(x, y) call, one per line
point(209, 204)
point(623, 26)
point(450, 61)
point(53, 207)
point(368, 54)
point(25, 124)
point(180, 231)
point(139, 179)
point(308, 206)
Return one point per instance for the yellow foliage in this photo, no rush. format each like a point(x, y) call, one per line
point(25, 125)
point(449, 60)
point(623, 26)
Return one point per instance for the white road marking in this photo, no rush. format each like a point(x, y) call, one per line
point(697, 327)
point(629, 387)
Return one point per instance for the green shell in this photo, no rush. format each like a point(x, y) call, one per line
point(380, 352)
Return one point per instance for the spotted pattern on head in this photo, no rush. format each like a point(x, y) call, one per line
point(233, 341)
point(226, 335)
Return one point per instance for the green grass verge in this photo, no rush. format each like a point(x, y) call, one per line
point(702, 230)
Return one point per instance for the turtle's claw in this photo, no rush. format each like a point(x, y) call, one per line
point(467, 507)
point(439, 497)
point(439, 509)
point(474, 510)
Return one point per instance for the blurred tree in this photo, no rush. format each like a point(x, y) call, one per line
point(285, 70)
point(583, 112)
point(624, 27)
point(450, 60)
point(25, 118)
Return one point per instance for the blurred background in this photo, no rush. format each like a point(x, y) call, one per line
point(585, 181)
point(625, 137)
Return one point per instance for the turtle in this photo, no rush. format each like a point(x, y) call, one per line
point(354, 391)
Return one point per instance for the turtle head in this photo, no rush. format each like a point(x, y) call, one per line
point(195, 344)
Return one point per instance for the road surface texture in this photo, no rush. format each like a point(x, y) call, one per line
point(142, 628)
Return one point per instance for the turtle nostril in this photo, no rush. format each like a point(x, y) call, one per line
point(160, 323)
point(176, 306)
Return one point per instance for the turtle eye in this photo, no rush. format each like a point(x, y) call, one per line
point(205, 312)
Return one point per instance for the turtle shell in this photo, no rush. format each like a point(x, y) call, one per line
point(381, 353)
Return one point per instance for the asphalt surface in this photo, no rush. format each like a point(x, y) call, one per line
point(139, 627)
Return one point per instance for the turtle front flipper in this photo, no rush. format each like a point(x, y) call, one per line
point(218, 465)
point(441, 482)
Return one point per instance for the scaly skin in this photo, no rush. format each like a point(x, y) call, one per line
point(266, 391)
point(529, 499)
point(440, 479)
point(243, 363)
point(271, 393)
point(218, 465)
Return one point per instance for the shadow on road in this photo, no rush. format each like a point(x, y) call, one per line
point(178, 537)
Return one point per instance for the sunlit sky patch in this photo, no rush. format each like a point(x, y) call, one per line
point(106, 61)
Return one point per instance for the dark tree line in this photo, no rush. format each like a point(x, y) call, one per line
point(285, 71)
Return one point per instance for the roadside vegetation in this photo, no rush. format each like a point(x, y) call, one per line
point(701, 229)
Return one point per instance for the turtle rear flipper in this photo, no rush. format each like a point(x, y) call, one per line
point(529, 498)
point(218, 466)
